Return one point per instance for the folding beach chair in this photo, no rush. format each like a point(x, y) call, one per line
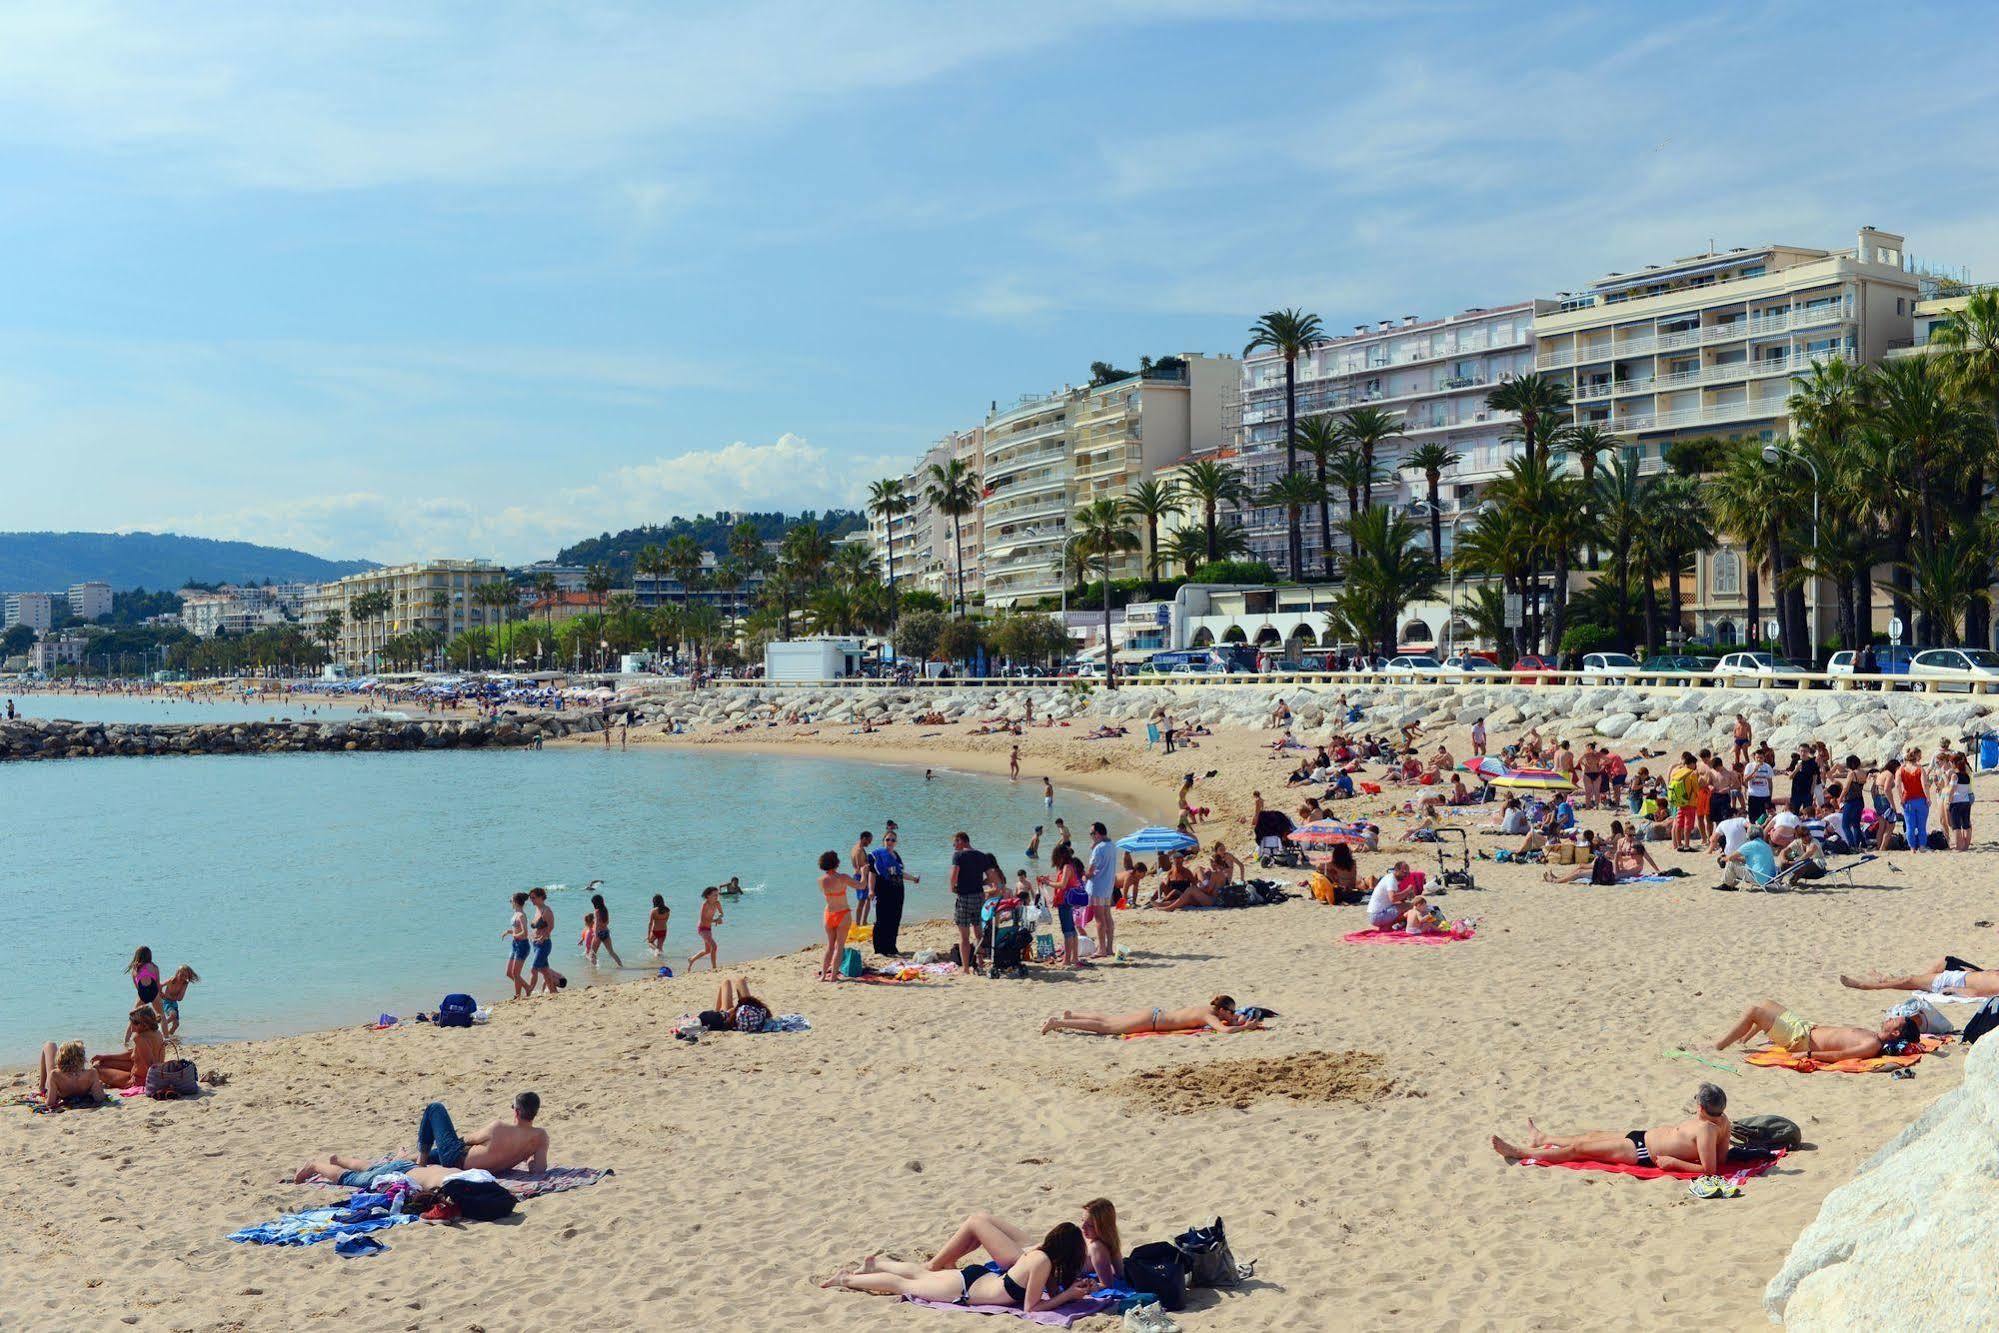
point(1845, 869)
point(1151, 734)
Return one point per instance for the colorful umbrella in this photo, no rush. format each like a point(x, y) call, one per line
point(1157, 839)
point(1485, 766)
point(1534, 779)
point(1325, 833)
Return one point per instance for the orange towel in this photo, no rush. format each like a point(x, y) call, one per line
point(1776, 1059)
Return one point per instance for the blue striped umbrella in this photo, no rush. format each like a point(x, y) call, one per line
point(1158, 839)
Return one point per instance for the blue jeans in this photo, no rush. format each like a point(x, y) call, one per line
point(366, 1178)
point(1916, 823)
point(1849, 826)
point(437, 1140)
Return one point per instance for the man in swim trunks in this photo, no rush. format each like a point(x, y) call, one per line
point(1948, 975)
point(1699, 1144)
point(500, 1146)
point(1788, 1032)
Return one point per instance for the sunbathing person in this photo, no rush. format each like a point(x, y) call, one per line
point(500, 1146)
point(1199, 892)
point(1044, 1277)
point(144, 1048)
point(1788, 1032)
point(1699, 1144)
point(1219, 1014)
point(1005, 1243)
point(1948, 975)
point(67, 1079)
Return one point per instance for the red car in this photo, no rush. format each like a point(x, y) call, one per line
point(1529, 665)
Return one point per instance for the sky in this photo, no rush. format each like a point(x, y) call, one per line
point(417, 279)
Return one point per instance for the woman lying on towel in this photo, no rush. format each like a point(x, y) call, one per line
point(1005, 1243)
point(1054, 1266)
point(1219, 1014)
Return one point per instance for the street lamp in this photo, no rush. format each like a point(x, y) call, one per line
point(1774, 454)
point(1451, 594)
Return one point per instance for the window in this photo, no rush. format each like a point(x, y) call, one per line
point(1725, 574)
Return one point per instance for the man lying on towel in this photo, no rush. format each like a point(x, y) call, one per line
point(1788, 1032)
point(1699, 1144)
point(1948, 975)
point(500, 1146)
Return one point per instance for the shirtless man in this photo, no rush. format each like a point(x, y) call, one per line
point(1948, 975)
point(500, 1146)
point(1788, 1032)
point(1699, 1144)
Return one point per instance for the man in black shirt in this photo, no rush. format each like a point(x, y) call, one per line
point(971, 869)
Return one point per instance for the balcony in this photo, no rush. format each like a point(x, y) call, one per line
point(1755, 409)
point(1053, 502)
point(1803, 317)
point(1006, 462)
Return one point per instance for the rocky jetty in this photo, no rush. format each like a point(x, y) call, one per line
point(55, 738)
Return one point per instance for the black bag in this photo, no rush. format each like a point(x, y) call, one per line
point(173, 1078)
point(478, 1200)
point(1983, 1021)
point(455, 1011)
point(1232, 895)
point(1210, 1262)
point(1159, 1270)
point(1938, 842)
point(1766, 1131)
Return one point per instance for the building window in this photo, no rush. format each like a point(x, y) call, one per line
point(1725, 574)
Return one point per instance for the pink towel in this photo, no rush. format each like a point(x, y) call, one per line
point(1081, 1308)
point(1740, 1173)
point(1400, 937)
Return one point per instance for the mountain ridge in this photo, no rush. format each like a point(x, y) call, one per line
point(51, 561)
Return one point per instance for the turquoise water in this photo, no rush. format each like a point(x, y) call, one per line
point(118, 708)
point(314, 891)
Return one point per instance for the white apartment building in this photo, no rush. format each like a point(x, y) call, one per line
point(1432, 374)
point(1709, 345)
point(88, 601)
point(1030, 472)
point(925, 555)
point(428, 595)
point(58, 650)
point(36, 610)
point(227, 611)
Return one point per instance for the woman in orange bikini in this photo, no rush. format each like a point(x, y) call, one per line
point(839, 917)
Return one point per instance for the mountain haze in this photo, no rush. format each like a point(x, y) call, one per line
point(52, 561)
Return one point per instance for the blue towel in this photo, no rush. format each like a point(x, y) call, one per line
point(358, 1247)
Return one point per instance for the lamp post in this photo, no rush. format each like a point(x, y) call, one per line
point(1451, 593)
point(1774, 454)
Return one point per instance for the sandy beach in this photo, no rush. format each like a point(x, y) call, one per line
point(1347, 1147)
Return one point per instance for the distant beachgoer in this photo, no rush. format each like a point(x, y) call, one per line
point(516, 934)
point(656, 922)
point(145, 976)
point(970, 869)
point(928, 774)
point(735, 1009)
point(172, 992)
point(1013, 765)
point(144, 1048)
point(1005, 1243)
point(1048, 795)
point(711, 916)
point(1044, 1277)
point(543, 927)
point(601, 931)
point(838, 918)
point(1065, 881)
point(1478, 738)
point(1033, 852)
point(67, 1078)
point(860, 864)
point(1100, 877)
point(1699, 1144)
point(500, 1146)
point(1219, 1014)
point(1946, 976)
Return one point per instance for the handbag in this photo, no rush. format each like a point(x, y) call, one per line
point(173, 1078)
point(1210, 1262)
point(1159, 1270)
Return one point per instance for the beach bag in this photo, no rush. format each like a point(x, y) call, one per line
point(173, 1078)
point(478, 1200)
point(850, 963)
point(1983, 1021)
point(1232, 895)
point(1767, 1131)
point(1938, 842)
point(1158, 1270)
point(455, 1011)
point(1210, 1263)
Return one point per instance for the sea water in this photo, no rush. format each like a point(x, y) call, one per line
point(165, 708)
point(319, 890)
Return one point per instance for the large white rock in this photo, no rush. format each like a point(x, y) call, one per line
point(1615, 725)
point(1912, 1242)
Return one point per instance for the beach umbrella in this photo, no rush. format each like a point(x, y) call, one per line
point(1326, 833)
point(1157, 839)
point(1534, 779)
point(1484, 766)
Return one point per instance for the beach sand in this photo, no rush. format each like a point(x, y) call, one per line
point(1347, 1147)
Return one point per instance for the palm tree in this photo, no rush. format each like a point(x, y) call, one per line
point(729, 578)
point(1747, 499)
point(1433, 460)
point(681, 558)
point(1320, 437)
point(1677, 527)
point(1352, 472)
point(1210, 485)
point(1289, 333)
point(1948, 580)
point(746, 545)
point(1365, 430)
point(1588, 443)
point(1294, 493)
point(440, 609)
point(597, 582)
point(1968, 340)
point(1150, 501)
point(1102, 533)
point(1540, 403)
point(650, 563)
point(887, 501)
point(327, 631)
point(954, 491)
point(1389, 569)
point(1935, 433)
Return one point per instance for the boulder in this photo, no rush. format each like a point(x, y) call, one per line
point(1616, 724)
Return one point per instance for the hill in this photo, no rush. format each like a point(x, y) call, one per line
point(710, 533)
point(51, 561)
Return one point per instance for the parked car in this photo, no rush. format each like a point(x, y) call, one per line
point(1890, 659)
point(1758, 667)
point(1613, 666)
point(1530, 664)
point(1468, 664)
point(1697, 666)
point(1413, 667)
point(1967, 665)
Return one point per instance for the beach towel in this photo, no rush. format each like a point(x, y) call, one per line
point(1738, 1175)
point(1184, 1032)
point(36, 1106)
point(522, 1185)
point(1401, 937)
point(1081, 1308)
point(1804, 1064)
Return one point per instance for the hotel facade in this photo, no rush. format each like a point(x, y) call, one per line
point(431, 595)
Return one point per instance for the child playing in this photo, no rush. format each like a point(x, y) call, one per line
point(145, 977)
point(656, 926)
point(711, 916)
point(171, 994)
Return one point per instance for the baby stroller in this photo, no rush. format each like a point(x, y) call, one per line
point(1454, 867)
point(1007, 939)
point(1278, 852)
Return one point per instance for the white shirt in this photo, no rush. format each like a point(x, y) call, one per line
point(1759, 779)
point(1383, 896)
point(1514, 822)
point(1734, 832)
point(1784, 819)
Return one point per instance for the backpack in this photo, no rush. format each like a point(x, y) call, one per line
point(478, 1200)
point(850, 963)
point(1938, 842)
point(455, 1011)
point(1210, 1262)
point(1767, 1131)
point(1983, 1021)
point(172, 1078)
point(1232, 895)
point(1159, 1270)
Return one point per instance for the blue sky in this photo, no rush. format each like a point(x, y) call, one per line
point(481, 278)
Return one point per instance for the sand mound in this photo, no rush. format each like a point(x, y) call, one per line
point(1315, 1076)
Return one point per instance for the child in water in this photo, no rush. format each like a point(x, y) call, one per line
point(145, 977)
point(711, 916)
point(171, 994)
point(656, 926)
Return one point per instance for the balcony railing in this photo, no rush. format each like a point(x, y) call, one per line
point(1799, 318)
point(1754, 409)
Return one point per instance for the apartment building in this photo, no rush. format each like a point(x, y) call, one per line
point(1708, 345)
point(1433, 375)
point(88, 601)
point(649, 590)
point(36, 610)
point(925, 554)
point(1930, 314)
point(227, 611)
point(428, 595)
point(62, 649)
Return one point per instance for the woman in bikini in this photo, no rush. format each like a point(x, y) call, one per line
point(656, 926)
point(143, 1050)
point(1219, 1014)
point(711, 914)
point(145, 977)
point(838, 917)
point(67, 1078)
point(1005, 1243)
point(600, 929)
point(1045, 1277)
point(516, 935)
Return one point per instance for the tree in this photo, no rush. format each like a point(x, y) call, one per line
point(1947, 581)
point(746, 546)
point(327, 631)
point(1289, 333)
point(1389, 570)
point(1587, 443)
point(597, 582)
point(1364, 430)
point(1353, 473)
point(1748, 498)
point(961, 640)
point(917, 633)
point(1541, 406)
point(1103, 532)
point(1209, 485)
point(1187, 550)
point(1294, 493)
point(1149, 502)
point(954, 491)
point(887, 501)
point(1320, 438)
point(1432, 461)
point(681, 559)
point(1968, 345)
